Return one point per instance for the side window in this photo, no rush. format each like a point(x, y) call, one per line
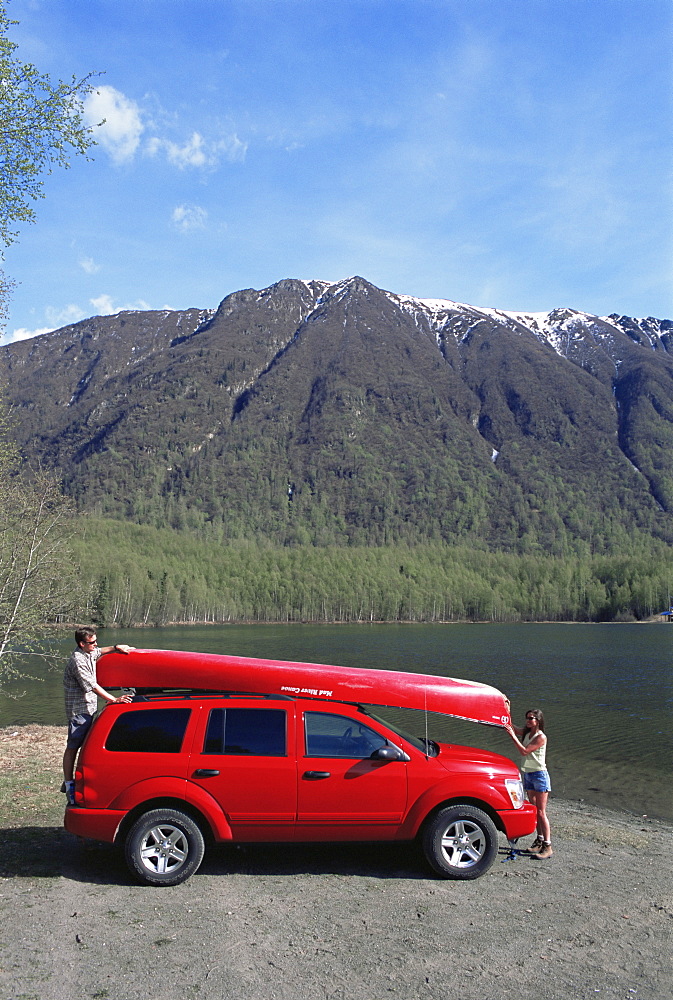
point(339, 736)
point(154, 730)
point(251, 732)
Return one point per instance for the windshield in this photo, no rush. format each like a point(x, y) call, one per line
point(428, 747)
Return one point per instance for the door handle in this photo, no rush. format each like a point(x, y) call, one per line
point(205, 772)
point(316, 775)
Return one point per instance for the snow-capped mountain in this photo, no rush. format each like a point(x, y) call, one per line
point(338, 412)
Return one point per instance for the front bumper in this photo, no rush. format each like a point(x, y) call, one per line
point(519, 822)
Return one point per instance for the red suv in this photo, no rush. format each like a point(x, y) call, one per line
point(166, 773)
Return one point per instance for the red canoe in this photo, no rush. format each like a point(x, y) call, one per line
point(165, 668)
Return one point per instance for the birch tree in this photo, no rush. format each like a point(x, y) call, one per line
point(37, 584)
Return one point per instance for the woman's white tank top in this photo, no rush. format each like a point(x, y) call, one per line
point(534, 761)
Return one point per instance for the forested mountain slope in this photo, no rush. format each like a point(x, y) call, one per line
point(321, 413)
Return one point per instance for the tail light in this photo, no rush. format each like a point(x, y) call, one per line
point(79, 788)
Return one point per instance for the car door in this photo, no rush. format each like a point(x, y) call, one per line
point(343, 793)
point(243, 761)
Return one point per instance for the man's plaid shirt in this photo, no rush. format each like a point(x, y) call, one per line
point(79, 678)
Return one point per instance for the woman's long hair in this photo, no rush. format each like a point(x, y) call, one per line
point(539, 715)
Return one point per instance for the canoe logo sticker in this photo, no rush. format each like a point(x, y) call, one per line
point(317, 693)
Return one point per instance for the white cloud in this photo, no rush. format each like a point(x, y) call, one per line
point(122, 127)
point(105, 306)
point(192, 154)
point(233, 148)
point(89, 265)
point(199, 152)
point(56, 318)
point(23, 334)
point(64, 316)
point(186, 217)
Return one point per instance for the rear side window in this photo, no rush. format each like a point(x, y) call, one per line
point(256, 732)
point(154, 730)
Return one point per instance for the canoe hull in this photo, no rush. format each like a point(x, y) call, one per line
point(165, 668)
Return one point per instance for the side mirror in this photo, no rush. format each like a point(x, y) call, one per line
point(389, 753)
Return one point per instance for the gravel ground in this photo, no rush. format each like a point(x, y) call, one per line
point(348, 922)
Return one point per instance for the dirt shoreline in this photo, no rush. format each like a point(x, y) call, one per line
point(346, 922)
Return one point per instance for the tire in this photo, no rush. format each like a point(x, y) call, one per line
point(460, 842)
point(164, 847)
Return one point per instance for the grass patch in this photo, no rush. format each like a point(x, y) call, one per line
point(31, 775)
point(31, 804)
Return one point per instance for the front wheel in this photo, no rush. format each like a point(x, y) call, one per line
point(164, 847)
point(460, 842)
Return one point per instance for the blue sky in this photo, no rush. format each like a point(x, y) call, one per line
point(505, 153)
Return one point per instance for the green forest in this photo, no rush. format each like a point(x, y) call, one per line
point(136, 574)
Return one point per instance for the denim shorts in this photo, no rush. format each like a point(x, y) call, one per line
point(78, 727)
point(536, 781)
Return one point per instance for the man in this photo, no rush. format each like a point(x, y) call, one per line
point(82, 691)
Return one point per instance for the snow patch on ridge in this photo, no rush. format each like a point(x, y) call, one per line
point(562, 329)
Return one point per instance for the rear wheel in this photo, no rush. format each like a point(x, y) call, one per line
point(460, 842)
point(164, 847)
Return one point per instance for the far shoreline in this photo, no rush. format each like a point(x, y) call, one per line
point(71, 626)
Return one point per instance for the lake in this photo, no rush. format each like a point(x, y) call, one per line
point(606, 690)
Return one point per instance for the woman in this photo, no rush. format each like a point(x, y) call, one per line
point(535, 776)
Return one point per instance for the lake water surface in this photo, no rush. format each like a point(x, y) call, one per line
point(606, 690)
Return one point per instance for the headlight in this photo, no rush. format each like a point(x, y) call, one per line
point(514, 787)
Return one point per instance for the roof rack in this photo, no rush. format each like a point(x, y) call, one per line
point(144, 694)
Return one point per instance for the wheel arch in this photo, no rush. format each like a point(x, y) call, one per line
point(164, 802)
point(463, 800)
